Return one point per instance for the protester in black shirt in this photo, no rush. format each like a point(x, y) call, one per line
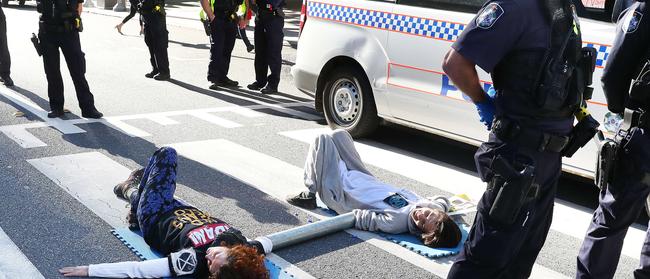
point(193, 242)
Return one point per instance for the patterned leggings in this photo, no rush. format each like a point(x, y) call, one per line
point(155, 195)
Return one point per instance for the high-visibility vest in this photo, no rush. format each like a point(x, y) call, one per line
point(240, 12)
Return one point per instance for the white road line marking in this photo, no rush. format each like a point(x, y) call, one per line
point(32, 107)
point(90, 177)
point(124, 128)
point(247, 112)
point(289, 267)
point(280, 179)
point(216, 120)
point(568, 219)
point(162, 120)
point(13, 263)
point(20, 135)
point(25, 139)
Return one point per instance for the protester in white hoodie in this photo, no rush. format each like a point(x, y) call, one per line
point(335, 171)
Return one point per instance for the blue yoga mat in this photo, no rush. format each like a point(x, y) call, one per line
point(135, 242)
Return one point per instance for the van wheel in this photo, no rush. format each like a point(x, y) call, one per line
point(348, 102)
point(5, 3)
point(21, 2)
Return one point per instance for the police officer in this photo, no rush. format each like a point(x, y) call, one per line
point(59, 27)
point(530, 48)
point(5, 59)
point(223, 18)
point(622, 199)
point(152, 13)
point(269, 35)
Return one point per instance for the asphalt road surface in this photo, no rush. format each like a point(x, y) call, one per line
point(240, 154)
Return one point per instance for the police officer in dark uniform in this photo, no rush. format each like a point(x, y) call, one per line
point(269, 35)
point(622, 197)
point(531, 49)
point(223, 28)
point(59, 27)
point(152, 13)
point(5, 59)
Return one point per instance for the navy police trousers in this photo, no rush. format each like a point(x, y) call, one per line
point(269, 36)
point(222, 41)
point(157, 39)
point(620, 205)
point(494, 250)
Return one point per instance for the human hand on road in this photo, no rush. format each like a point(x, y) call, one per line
point(486, 109)
point(79, 271)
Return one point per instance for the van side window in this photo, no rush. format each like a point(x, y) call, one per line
point(468, 6)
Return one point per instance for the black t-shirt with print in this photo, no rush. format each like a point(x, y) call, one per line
point(184, 235)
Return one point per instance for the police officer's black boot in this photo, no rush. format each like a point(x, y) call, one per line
point(256, 86)
point(55, 113)
point(151, 74)
point(269, 90)
point(91, 113)
point(7, 81)
point(162, 76)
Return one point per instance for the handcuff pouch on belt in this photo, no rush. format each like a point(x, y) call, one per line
point(514, 184)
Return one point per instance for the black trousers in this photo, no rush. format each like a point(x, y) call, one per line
point(70, 45)
point(494, 250)
point(157, 39)
point(620, 205)
point(269, 35)
point(5, 59)
point(222, 41)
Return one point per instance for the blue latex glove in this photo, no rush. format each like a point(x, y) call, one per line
point(486, 109)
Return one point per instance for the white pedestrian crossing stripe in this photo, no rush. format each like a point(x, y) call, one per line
point(13, 263)
point(25, 139)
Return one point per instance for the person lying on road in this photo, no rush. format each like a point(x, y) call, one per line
point(335, 171)
point(193, 242)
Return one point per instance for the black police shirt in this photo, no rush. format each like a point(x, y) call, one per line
point(47, 9)
point(631, 47)
point(500, 27)
point(185, 234)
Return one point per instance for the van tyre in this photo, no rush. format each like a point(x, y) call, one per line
point(21, 2)
point(5, 3)
point(348, 102)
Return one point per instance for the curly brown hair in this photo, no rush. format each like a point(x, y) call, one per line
point(445, 234)
point(243, 263)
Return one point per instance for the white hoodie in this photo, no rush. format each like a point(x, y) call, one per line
point(364, 195)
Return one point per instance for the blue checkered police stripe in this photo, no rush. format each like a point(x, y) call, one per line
point(425, 27)
point(603, 53)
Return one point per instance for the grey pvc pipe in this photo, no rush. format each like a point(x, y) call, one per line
point(306, 232)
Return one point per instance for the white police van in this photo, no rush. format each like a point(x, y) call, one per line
point(366, 60)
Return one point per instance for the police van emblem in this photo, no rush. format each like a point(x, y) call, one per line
point(632, 22)
point(489, 15)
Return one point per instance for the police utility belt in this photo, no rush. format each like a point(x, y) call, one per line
point(511, 132)
point(68, 25)
point(268, 10)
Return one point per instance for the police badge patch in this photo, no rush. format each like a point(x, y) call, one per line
point(632, 22)
point(489, 15)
